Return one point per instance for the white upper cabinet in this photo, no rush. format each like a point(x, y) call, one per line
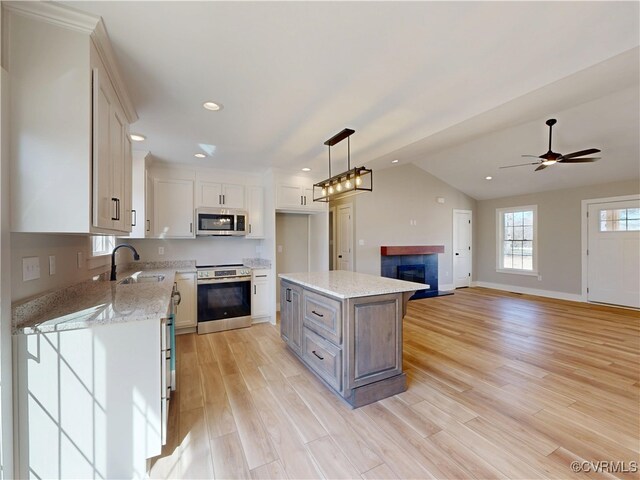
point(255, 209)
point(297, 196)
point(142, 202)
point(221, 195)
point(69, 116)
point(173, 208)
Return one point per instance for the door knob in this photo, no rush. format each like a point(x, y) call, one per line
point(339, 256)
point(457, 253)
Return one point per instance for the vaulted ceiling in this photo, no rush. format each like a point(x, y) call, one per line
point(459, 88)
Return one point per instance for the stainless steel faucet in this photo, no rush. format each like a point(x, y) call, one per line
point(113, 258)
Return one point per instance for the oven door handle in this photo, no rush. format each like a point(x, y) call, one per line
point(213, 281)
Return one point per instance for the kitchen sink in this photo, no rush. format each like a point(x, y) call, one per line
point(141, 279)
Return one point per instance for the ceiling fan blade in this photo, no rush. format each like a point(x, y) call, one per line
point(520, 165)
point(541, 167)
point(532, 156)
point(579, 160)
point(581, 153)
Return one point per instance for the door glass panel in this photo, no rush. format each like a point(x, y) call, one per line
point(620, 220)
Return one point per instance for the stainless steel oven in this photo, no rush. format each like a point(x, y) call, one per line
point(224, 297)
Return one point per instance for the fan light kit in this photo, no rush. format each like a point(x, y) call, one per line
point(552, 157)
point(136, 137)
point(345, 184)
point(199, 155)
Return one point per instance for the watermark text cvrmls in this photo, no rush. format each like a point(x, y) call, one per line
point(605, 466)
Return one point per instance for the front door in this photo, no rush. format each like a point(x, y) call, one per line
point(462, 254)
point(613, 253)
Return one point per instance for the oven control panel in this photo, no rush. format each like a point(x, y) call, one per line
point(235, 272)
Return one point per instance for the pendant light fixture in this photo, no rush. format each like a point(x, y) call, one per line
point(345, 184)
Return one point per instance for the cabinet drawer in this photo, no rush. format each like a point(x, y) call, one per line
point(323, 357)
point(323, 315)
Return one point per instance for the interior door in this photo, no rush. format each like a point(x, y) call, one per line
point(345, 238)
point(613, 253)
point(462, 254)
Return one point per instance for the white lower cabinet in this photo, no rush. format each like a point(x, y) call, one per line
point(186, 314)
point(173, 208)
point(260, 293)
point(90, 401)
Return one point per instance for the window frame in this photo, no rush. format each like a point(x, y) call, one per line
point(500, 268)
point(99, 258)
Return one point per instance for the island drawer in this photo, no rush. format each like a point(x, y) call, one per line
point(323, 357)
point(323, 315)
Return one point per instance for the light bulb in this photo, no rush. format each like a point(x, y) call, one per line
point(330, 190)
point(358, 180)
point(339, 187)
point(348, 184)
point(324, 192)
point(549, 162)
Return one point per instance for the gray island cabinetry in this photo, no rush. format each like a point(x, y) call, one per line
point(347, 328)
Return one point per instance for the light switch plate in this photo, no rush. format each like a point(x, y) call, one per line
point(30, 268)
point(52, 264)
point(160, 250)
point(279, 248)
point(361, 242)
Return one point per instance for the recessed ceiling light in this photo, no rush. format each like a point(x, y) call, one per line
point(136, 137)
point(213, 106)
point(395, 161)
point(199, 155)
point(488, 177)
point(306, 169)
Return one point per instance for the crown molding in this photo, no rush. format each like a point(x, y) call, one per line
point(72, 19)
point(55, 14)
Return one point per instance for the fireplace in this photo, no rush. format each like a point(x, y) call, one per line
point(414, 264)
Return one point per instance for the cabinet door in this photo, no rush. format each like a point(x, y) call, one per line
point(260, 297)
point(233, 196)
point(285, 312)
point(130, 220)
point(186, 310)
point(310, 204)
point(149, 221)
point(104, 208)
point(209, 194)
point(173, 208)
point(117, 149)
point(289, 196)
point(255, 207)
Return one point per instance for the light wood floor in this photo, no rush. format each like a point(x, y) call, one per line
point(500, 386)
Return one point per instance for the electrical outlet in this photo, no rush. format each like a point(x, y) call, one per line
point(160, 250)
point(539, 277)
point(79, 259)
point(361, 242)
point(30, 268)
point(279, 248)
point(52, 264)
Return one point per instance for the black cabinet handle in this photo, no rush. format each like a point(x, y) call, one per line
point(314, 352)
point(287, 295)
point(224, 201)
point(301, 200)
point(220, 199)
point(260, 276)
point(316, 313)
point(135, 218)
point(191, 227)
point(118, 208)
point(249, 228)
point(254, 289)
point(115, 200)
point(148, 225)
point(339, 256)
point(457, 253)
point(305, 199)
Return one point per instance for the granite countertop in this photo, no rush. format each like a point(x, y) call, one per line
point(98, 301)
point(345, 284)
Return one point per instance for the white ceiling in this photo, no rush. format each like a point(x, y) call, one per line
point(414, 79)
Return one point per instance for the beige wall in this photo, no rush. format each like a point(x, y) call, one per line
point(559, 236)
point(65, 249)
point(292, 234)
point(401, 194)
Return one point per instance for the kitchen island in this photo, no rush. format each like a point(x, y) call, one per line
point(347, 328)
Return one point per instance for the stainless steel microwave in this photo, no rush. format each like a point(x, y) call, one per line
point(221, 221)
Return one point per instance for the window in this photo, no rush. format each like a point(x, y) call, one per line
point(102, 245)
point(517, 240)
point(620, 220)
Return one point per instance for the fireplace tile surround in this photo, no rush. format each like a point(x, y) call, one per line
point(392, 257)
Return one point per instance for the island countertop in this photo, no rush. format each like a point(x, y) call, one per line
point(346, 284)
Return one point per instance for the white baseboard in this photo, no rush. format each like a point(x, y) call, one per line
point(574, 297)
point(447, 287)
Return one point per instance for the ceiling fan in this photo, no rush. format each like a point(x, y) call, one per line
point(551, 157)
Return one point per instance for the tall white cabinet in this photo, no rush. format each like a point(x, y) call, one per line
point(69, 115)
